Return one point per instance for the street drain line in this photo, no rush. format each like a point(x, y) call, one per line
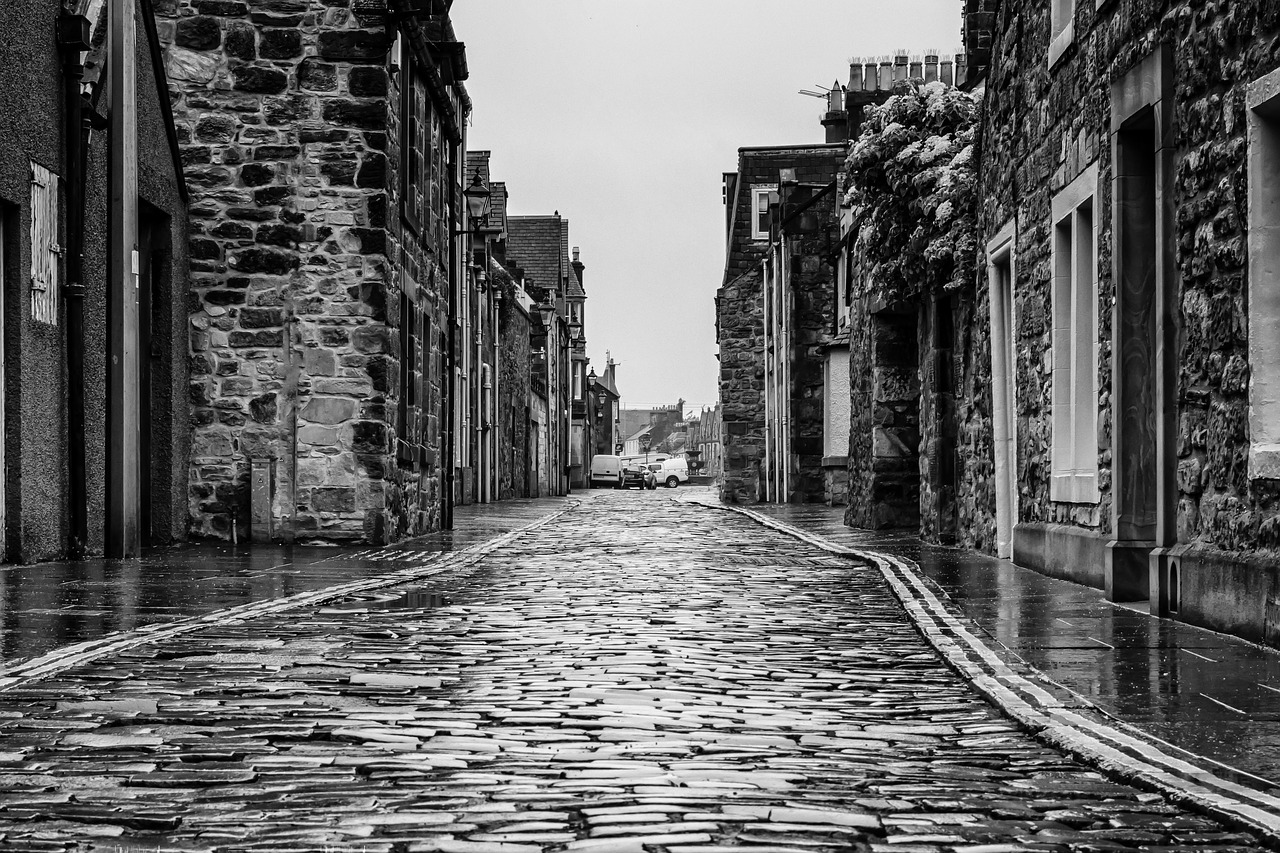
point(68, 657)
point(1125, 753)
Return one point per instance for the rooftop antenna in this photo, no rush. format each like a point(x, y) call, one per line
point(822, 92)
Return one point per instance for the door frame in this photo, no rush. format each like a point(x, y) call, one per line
point(1143, 569)
point(1002, 257)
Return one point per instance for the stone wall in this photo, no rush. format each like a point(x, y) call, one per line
point(740, 307)
point(515, 443)
point(812, 285)
point(1043, 128)
point(1048, 118)
point(740, 322)
point(884, 442)
point(290, 140)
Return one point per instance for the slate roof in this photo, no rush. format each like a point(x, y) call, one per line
point(478, 161)
point(533, 244)
point(606, 381)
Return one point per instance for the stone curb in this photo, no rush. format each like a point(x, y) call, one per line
point(1117, 749)
point(67, 657)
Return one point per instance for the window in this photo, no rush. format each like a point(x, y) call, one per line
point(1062, 28)
point(425, 146)
point(1263, 115)
point(1075, 343)
point(414, 343)
point(761, 198)
point(45, 250)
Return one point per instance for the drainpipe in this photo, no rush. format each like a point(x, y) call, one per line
point(73, 38)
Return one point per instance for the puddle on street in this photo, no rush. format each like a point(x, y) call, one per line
point(410, 599)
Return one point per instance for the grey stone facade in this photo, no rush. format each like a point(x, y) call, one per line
point(321, 283)
point(772, 399)
point(1154, 97)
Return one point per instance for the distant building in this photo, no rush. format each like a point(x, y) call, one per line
point(605, 398)
point(538, 255)
point(775, 319)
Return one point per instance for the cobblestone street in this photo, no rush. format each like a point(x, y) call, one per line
point(637, 674)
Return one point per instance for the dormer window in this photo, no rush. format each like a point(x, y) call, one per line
point(761, 198)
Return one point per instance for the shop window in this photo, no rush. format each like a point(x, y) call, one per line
point(1263, 102)
point(1075, 343)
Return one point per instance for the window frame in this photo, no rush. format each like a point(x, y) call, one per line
point(758, 190)
point(1062, 29)
point(1075, 343)
point(1262, 117)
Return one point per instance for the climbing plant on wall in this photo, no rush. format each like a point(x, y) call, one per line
point(912, 186)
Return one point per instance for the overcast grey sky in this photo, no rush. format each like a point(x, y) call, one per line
point(624, 115)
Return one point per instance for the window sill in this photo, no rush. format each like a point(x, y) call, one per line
point(1060, 45)
point(1074, 487)
point(1264, 462)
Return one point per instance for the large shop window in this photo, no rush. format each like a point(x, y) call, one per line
point(1263, 102)
point(1075, 343)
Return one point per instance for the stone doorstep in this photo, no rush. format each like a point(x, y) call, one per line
point(1052, 713)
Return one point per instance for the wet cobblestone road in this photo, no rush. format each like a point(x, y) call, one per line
point(637, 675)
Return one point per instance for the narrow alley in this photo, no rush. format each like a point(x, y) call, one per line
point(632, 672)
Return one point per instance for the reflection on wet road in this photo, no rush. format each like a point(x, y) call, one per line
point(49, 605)
point(1213, 695)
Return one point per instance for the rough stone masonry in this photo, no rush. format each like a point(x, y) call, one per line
point(286, 116)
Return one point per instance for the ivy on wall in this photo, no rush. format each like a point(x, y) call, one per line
point(912, 185)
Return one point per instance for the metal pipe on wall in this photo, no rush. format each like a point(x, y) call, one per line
point(73, 37)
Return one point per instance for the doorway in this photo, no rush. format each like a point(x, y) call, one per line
point(155, 404)
point(1144, 343)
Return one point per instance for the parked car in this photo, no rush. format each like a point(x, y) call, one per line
point(635, 475)
point(672, 472)
point(606, 471)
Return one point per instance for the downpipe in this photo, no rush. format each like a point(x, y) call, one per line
point(73, 39)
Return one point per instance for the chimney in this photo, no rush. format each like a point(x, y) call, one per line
point(917, 68)
point(900, 68)
point(885, 82)
point(578, 267)
point(836, 118)
point(930, 67)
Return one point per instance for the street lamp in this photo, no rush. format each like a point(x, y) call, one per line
point(546, 311)
point(478, 201)
point(575, 332)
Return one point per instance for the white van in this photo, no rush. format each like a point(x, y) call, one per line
point(671, 472)
point(606, 471)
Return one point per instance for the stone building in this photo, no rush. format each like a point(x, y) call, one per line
point(480, 338)
point(775, 315)
point(324, 152)
point(537, 255)
point(605, 398)
point(1129, 213)
point(93, 208)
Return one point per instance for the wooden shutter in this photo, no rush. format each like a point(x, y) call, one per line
point(45, 248)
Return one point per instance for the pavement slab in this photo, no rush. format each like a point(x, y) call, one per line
point(640, 674)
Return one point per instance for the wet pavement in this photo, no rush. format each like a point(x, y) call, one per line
point(49, 605)
point(1218, 697)
point(637, 675)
